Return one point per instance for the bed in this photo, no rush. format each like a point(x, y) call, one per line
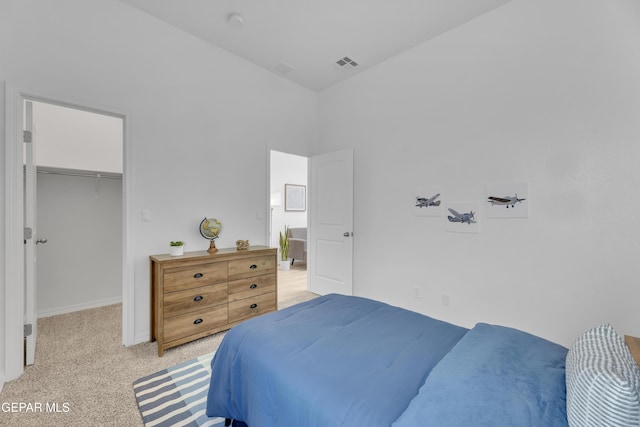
point(348, 361)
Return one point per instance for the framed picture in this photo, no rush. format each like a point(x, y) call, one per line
point(295, 197)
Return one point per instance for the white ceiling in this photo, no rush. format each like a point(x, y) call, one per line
point(311, 35)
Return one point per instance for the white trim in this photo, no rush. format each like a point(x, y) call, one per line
point(268, 238)
point(128, 236)
point(14, 251)
point(78, 307)
point(142, 337)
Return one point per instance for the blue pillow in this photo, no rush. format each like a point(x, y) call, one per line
point(603, 381)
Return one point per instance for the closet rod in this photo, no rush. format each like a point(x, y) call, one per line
point(82, 174)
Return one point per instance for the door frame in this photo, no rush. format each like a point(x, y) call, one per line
point(14, 220)
point(30, 193)
point(310, 206)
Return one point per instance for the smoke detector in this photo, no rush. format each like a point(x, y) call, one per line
point(346, 64)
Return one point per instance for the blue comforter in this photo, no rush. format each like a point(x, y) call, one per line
point(494, 377)
point(349, 361)
point(331, 361)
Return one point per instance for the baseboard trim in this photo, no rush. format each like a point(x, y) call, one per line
point(143, 337)
point(77, 307)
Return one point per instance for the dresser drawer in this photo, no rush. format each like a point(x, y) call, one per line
point(194, 322)
point(178, 279)
point(249, 307)
point(250, 267)
point(252, 286)
point(194, 299)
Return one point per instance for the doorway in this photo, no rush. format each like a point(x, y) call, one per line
point(79, 161)
point(328, 215)
point(15, 300)
point(288, 177)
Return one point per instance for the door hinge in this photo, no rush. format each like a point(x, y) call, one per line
point(28, 329)
point(28, 233)
point(27, 136)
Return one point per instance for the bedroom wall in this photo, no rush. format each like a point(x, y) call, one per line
point(541, 92)
point(202, 119)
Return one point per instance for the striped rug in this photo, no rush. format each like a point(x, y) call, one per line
point(177, 396)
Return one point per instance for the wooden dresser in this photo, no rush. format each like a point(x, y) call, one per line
point(199, 294)
point(634, 347)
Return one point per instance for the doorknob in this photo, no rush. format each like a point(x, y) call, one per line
point(348, 234)
point(41, 241)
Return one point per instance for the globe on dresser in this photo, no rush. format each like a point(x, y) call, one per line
point(210, 229)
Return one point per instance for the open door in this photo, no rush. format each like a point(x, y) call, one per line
point(30, 234)
point(330, 248)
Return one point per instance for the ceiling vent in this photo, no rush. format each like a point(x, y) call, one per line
point(346, 64)
point(282, 68)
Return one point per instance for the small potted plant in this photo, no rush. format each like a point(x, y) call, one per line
point(285, 263)
point(176, 248)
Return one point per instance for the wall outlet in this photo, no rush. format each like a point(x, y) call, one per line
point(444, 298)
point(416, 292)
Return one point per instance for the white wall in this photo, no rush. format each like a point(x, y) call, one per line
point(202, 119)
point(2, 232)
point(286, 169)
point(80, 266)
point(69, 138)
point(542, 92)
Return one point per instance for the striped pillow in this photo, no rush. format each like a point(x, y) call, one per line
point(603, 381)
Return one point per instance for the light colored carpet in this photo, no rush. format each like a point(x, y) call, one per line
point(82, 366)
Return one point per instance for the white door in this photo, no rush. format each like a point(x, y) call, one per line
point(330, 248)
point(31, 235)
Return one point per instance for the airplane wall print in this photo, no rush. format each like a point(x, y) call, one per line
point(424, 202)
point(427, 201)
point(508, 201)
point(505, 201)
point(463, 217)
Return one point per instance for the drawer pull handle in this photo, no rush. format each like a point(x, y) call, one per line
point(253, 286)
point(197, 321)
point(254, 305)
point(198, 298)
point(198, 275)
point(253, 266)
